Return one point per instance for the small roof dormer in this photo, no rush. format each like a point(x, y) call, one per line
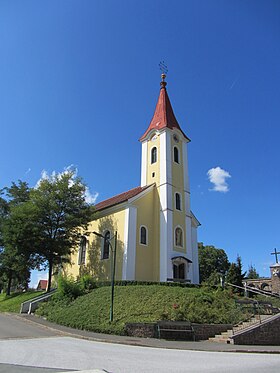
point(163, 116)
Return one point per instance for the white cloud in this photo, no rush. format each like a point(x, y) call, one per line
point(89, 197)
point(218, 176)
point(66, 170)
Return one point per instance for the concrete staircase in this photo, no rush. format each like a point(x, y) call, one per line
point(31, 305)
point(225, 337)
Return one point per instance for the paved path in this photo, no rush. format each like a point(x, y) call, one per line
point(72, 353)
point(29, 347)
point(13, 326)
point(151, 342)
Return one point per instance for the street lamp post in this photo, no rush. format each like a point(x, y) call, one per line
point(113, 269)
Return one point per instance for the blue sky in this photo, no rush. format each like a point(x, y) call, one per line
point(79, 81)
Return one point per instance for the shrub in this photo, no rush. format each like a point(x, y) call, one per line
point(87, 283)
point(68, 288)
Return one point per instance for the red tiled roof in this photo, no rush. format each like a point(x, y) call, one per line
point(120, 198)
point(163, 115)
point(43, 284)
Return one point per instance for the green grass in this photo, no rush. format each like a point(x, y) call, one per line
point(12, 303)
point(142, 303)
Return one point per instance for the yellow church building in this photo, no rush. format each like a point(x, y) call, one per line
point(156, 230)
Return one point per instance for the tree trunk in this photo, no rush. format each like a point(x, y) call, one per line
point(8, 291)
point(50, 275)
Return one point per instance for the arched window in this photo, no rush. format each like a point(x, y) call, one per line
point(143, 235)
point(82, 250)
point(154, 155)
point(106, 245)
point(176, 155)
point(178, 237)
point(178, 201)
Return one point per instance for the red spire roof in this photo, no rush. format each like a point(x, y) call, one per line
point(163, 116)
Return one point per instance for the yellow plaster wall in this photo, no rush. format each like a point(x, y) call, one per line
point(179, 220)
point(147, 256)
point(179, 217)
point(155, 167)
point(94, 265)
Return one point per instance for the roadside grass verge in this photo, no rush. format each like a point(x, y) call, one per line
point(12, 303)
point(142, 303)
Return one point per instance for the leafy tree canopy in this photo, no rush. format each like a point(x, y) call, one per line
point(47, 223)
point(14, 263)
point(212, 263)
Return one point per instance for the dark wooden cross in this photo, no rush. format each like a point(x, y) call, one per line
point(275, 253)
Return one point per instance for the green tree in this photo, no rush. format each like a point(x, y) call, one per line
point(235, 275)
point(14, 264)
point(252, 272)
point(213, 262)
point(43, 225)
point(14, 269)
point(49, 225)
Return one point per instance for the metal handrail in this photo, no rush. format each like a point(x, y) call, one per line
point(254, 290)
point(256, 302)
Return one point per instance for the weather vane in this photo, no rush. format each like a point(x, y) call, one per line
point(163, 67)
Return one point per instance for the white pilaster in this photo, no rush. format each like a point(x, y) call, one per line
point(195, 264)
point(186, 179)
point(189, 245)
point(144, 163)
point(166, 206)
point(129, 255)
point(165, 158)
point(166, 244)
point(186, 167)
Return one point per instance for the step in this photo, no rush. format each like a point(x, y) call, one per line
point(220, 340)
point(224, 337)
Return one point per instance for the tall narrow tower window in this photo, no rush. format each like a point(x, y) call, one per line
point(106, 248)
point(176, 155)
point(82, 251)
point(143, 235)
point(178, 201)
point(154, 155)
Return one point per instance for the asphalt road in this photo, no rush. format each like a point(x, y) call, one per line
point(12, 326)
point(27, 347)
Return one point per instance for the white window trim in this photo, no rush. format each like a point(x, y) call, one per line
point(179, 155)
point(147, 241)
point(178, 226)
point(181, 201)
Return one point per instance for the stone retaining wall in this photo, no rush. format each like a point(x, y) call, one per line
point(205, 331)
point(201, 331)
point(265, 334)
point(145, 330)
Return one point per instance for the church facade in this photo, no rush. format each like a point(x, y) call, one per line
point(155, 228)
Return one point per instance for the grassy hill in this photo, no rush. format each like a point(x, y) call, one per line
point(12, 303)
point(142, 303)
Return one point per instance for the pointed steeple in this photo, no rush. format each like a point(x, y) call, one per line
point(163, 116)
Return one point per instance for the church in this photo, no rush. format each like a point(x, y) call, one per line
point(149, 231)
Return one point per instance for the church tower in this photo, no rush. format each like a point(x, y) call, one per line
point(165, 164)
